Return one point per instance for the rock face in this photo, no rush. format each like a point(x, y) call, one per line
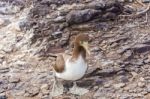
point(33, 31)
point(81, 16)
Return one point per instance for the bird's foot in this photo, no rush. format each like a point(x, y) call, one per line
point(57, 90)
point(78, 90)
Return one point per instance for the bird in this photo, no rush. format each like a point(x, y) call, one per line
point(73, 67)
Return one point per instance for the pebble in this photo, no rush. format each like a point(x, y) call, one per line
point(96, 5)
point(3, 96)
point(147, 60)
point(57, 34)
point(123, 79)
point(148, 88)
point(1, 21)
point(11, 86)
point(20, 93)
point(2, 90)
point(14, 79)
point(106, 85)
point(119, 85)
point(59, 19)
point(96, 49)
point(142, 79)
point(31, 91)
point(15, 27)
point(4, 69)
point(145, 1)
point(141, 84)
point(45, 89)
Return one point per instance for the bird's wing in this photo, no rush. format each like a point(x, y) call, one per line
point(59, 64)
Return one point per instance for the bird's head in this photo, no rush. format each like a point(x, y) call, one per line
point(83, 41)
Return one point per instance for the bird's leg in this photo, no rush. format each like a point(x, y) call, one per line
point(57, 88)
point(55, 83)
point(77, 90)
point(75, 84)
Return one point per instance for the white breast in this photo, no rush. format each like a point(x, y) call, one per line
point(73, 70)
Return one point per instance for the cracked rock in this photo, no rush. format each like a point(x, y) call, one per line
point(80, 16)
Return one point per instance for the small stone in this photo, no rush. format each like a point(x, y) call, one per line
point(59, 19)
point(147, 60)
point(3, 96)
point(32, 91)
point(145, 1)
point(144, 92)
point(45, 86)
point(96, 5)
point(14, 79)
point(1, 21)
point(45, 97)
point(142, 79)
point(123, 79)
point(44, 89)
point(130, 0)
point(95, 87)
point(20, 93)
point(57, 34)
point(11, 86)
point(107, 85)
point(134, 74)
point(2, 90)
point(141, 84)
point(96, 49)
point(119, 85)
point(15, 27)
point(78, 90)
point(139, 95)
point(4, 69)
point(121, 1)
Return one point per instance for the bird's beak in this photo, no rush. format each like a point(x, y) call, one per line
point(86, 46)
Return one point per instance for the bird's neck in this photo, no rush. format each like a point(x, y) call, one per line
point(77, 51)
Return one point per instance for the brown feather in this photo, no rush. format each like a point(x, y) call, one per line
point(60, 64)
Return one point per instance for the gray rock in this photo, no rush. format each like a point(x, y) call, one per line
point(106, 85)
point(80, 16)
point(119, 85)
point(2, 21)
point(57, 34)
point(121, 1)
point(148, 88)
point(2, 90)
point(11, 86)
point(31, 91)
point(123, 79)
point(109, 16)
point(3, 96)
point(59, 19)
point(141, 84)
point(96, 5)
point(145, 1)
point(45, 89)
point(4, 69)
point(147, 60)
point(125, 0)
point(19, 92)
point(14, 79)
